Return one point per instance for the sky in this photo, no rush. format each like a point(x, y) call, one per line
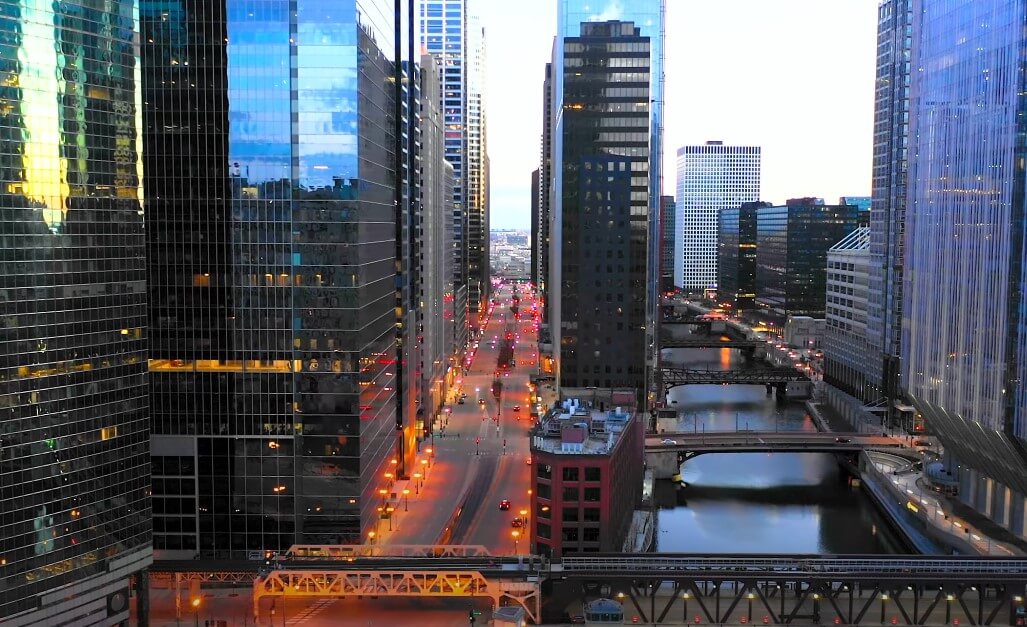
point(795, 77)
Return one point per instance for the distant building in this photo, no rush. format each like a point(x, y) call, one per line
point(536, 241)
point(845, 335)
point(736, 255)
point(792, 241)
point(803, 332)
point(587, 478)
point(667, 221)
point(711, 177)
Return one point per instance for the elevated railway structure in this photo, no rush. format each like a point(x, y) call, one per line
point(773, 589)
point(674, 376)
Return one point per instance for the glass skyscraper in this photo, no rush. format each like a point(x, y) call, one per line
point(272, 130)
point(736, 255)
point(888, 201)
point(711, 177)
point(451, 32)
point(964, 316)
point(634, 106)
point(74, 436)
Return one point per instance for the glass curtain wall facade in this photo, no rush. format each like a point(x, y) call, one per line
point(648, 16)
point(711, 177)
point(667, 221)
point(74, 422)
point(604, 206)
point(736, 255)
point(964, 344)
point(888, 201)
point(271, 136)
point(792, 241)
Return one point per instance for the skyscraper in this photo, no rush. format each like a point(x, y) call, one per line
point(74, 423)
point(964, 331)
point(667, 222)
point(607, 75)
point(711, 177)
point(845, 329)
point(451, 32)
point(888, 200)
point(545, 188)
point(536, 260)
point(736, 255)
point(275, 222)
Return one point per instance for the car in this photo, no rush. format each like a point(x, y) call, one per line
point(517, 408)
point(577, 619)
point(460, 401)
point(481, 402)
point(668, 441)
point(517, 522)
point(504, 504)
point(842, 440)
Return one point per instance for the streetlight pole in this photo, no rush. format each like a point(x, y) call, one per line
point(684, 606)
point(406, 499)
point(516, 535)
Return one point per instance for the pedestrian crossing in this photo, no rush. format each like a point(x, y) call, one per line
point(309, 612)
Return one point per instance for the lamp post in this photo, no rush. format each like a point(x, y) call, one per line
point(389, 510)
point(406, 499)
point(751, 596)
point(196, 611)
point(516, 535)
point(948, 608)
point(884, 600)
point(684, 606)
point(370, 537)
point(417, 483)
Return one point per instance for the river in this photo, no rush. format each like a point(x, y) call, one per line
point(758, 502)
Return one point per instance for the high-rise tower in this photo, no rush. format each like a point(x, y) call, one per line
point(274, 134)
point(964, 314)
point(74, 423)
point(451, 32)
point(711, 177)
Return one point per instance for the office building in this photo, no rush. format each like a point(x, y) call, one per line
point(964, 348)
point(711, 177)
point(792, 241)
point(545, 190)
point(845, 332)
point(278, 241)
point(736, 255)
point(603, 217)
point(863, 203)
point(438, 354)
point(450, 30)
point(536, 259)
point(587, 478)
point(888, 201)
point(667, 221)
point(74, 414)
point(604, 292)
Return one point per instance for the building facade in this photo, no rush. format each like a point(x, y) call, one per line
point(792, 241)
point(603, 217)
point(667, 221)
point(736, 255)
point(536, 258)
point(632, 103)
point(587, 479)
point(964, 330)
point(845, 333)
point(545, 192)
point(451, 32)
point(275, 220)
point(888, 200)
point(711, 177)
point(74, 412)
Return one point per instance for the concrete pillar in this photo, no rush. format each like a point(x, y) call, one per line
point(664, 464)
point(142, 589)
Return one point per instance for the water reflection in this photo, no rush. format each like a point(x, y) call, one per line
point(759, 502)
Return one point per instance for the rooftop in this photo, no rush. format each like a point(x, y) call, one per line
point(574, 427)
point(857, 240)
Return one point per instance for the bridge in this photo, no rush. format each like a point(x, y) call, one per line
point(665, 453)
point(686, 319)
point(700, 341)
point(785, 588)
point(674, 376)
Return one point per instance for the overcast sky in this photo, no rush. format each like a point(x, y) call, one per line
point(793, 76)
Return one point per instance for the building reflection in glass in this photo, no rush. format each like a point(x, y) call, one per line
point(271, 238)
point(74, 455)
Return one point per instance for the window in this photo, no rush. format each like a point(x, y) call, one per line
point(591, 514)
point(591, 535)
point(570, 473)
point(592, 494)
point(543, 531)
point(570, 495)
point(544, 491)
point(545, 471)
point(569, 514)
point(592, 473)
point(570, 535)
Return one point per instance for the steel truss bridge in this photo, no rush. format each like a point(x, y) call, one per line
point(711, 342)
point(673, 377)
point(786, 589)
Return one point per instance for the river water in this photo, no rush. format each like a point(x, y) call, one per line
point(758, 502)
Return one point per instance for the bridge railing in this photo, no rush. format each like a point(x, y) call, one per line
point(343, 551)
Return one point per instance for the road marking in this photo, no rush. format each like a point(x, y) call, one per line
point(310, 612)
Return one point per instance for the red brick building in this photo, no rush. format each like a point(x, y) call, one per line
point(587, 479)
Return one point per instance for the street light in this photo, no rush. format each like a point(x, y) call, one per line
point(684, 610)
point(406, 499)
point(196, 611)
point(417, 483)
point(516, 535)
point(370, 537)
point(884, 599)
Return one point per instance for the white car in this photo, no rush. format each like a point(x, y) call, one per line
point(667, 441)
